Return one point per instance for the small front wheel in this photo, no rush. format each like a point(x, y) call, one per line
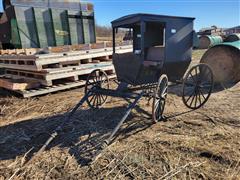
point(159, 98)
point(97, 79)
point(197, 86)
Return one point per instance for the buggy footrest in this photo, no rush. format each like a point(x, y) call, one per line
point(116, 93)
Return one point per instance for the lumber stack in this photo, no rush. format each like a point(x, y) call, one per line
point(54, 66)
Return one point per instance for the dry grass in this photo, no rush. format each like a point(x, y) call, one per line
point(102, 39)
point(201, 144)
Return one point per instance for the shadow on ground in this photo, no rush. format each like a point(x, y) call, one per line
point(82, 136)
point(177, 88)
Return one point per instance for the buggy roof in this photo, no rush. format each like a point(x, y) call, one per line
point(129, 20)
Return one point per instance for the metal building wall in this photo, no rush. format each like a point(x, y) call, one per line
point(27, 27)
point(44, 23)
point(76, 27)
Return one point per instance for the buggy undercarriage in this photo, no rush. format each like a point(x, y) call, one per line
point(144, 75)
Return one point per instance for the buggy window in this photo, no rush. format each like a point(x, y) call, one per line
point(154, 34)
point(154, 41)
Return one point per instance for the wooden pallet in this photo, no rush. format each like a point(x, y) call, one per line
point(31, 65)
point(55, 88)
point(43, 61)
point(60, 49)
point(47, 76)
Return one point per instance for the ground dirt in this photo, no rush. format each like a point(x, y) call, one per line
point(200, 144)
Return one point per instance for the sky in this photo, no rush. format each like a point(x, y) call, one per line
point(222, 13)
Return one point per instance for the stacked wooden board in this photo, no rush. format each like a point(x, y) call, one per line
point(56, 68)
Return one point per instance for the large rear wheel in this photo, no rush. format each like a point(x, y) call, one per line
point(197, 86)
point(159, 98)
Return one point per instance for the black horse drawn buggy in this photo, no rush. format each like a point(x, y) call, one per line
point(162, 50)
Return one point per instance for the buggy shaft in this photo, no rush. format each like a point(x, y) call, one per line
point(59, 128)
point(128, 110)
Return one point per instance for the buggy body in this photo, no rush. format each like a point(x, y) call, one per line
point(161, 45)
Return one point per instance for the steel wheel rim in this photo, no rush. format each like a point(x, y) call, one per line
point(197, 86)
point(159, 99)
point(96, 79)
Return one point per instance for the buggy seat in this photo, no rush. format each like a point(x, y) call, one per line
point(155, 55)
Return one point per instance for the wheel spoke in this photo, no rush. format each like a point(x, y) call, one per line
point(193, 77)
point(91, 98)
point(190, 96)
point(102, 97)
point(164, 90)
point(156, 104)
point(199, 98)
point(95, 97)
point(196, 73)
point(158, 110)
point(164, 95)
point(196, 100)
point(162, 107)
point(94, 79)
point(202, 94)
point(192, 101)
point(99, 100)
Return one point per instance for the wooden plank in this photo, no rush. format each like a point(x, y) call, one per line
point(31, 51)
point(81, 47)
point(19, 56)
point(19, 67)
point(27, 94)
point(80, 52)
point(98, 45)
point(54, 60)
point(59, 49)
point(96, 61)
point(20, 51)
point(76, 63)
point(19, 84)
point(43, 82)
point(77, 72)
